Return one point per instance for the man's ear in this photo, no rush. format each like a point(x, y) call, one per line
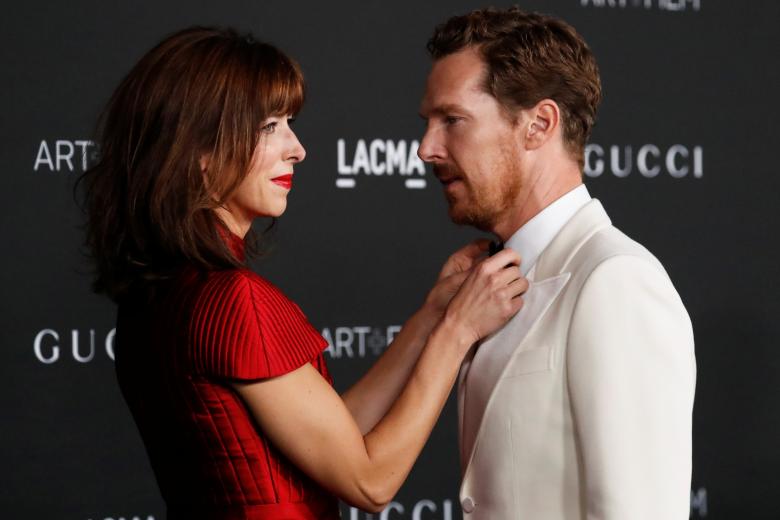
point(541, 124)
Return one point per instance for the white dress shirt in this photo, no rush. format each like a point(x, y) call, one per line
point(534, 236)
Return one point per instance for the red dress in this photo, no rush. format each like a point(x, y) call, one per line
point(174, 358)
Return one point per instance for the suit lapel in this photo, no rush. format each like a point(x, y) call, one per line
point(480, 375)
point(493, 356)
point(589, 220)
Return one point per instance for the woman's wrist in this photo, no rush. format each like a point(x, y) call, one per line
point(430, 309)
point(429, 314)
point(452, 332)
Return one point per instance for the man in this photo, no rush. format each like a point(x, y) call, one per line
point(580, 407)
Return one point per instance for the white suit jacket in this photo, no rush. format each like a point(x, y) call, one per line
point(583, 409)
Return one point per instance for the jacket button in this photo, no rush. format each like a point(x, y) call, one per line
point(467, 504)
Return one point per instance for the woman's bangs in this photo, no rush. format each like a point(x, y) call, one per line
point(282, 88)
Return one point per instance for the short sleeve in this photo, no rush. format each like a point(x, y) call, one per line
point(243, 327)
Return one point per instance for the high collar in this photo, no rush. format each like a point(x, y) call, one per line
point(234, 242)
point(534, 236)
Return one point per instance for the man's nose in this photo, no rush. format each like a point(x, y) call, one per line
point(430, 149)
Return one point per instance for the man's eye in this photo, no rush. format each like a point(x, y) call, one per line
point(451, 120)
point(269, 128)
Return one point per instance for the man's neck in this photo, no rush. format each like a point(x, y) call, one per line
point(539, 195)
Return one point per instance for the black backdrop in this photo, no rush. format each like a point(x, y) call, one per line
point(683, 157)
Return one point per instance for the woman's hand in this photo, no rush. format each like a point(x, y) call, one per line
point(452, 275)
point(489, 297)
point(464, 258)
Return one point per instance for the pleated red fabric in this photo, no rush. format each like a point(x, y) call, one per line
point(174, 359)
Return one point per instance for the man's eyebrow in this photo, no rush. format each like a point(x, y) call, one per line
point(445, 109)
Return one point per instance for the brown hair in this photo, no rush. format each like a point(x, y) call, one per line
point(149, 206)
point(530, 57)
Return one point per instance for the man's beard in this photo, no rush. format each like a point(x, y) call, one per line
point(483, 206)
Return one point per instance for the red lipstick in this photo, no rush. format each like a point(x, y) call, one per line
point(285, 181)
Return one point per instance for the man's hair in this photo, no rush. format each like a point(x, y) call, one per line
point(529, 57)
point(202, 92)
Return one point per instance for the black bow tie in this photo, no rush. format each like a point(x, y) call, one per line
point(495, 247)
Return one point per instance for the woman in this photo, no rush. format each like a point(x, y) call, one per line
point(223, 374)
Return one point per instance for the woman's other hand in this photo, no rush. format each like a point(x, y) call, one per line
point(452, 275)
point(464, 258)
point(489, 296)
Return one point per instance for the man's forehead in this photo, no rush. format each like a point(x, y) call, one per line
point(454, 80)
point(455, 96)
point(464, 68)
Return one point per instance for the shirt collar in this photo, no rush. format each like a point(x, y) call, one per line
point(534, 236)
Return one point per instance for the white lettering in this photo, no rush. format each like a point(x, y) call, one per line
point(419, 506)
point(414, 163)
point(360, 341)
point(671, 166)
point(51, 354)
point(55, 349)
point(375, 148)
point(396, 156)
point(83, 145)
point(678, 5)
point(418, 511)
point(380, 157)
point(641, 160)
point(361, 158)
point(110, 343)
point(74, 335)
point(149, 517)
point(698, 162)
point(614, 155)
point(415, 184)
point(699, 501)
point(663, 5)
point(63, 156)
point(392, 330)
point(361, 335)
point(591, 171)
point(344, 168)
point(603, 3)
point(447, 509)
point(43, 157)
point(344, 337)
point(392, 507)
point(677, 161)
point(330, 350)
point(64, 152)
point(345, 183)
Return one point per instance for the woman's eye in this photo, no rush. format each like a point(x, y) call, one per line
point(269, 128)
point(290, 121)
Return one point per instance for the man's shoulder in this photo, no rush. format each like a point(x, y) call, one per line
point(610, 246)
point(611, 267)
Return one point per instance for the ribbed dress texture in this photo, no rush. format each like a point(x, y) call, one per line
point(175, 357)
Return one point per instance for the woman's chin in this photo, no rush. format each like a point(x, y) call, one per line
point(276, 211)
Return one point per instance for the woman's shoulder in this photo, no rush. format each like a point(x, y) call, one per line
point(236, 288)
point(243, 326)
point(235, 281)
